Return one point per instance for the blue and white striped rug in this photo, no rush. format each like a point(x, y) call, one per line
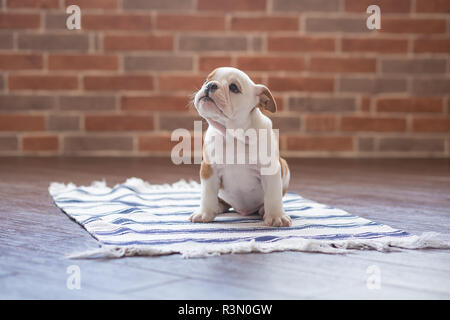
point(136, 218)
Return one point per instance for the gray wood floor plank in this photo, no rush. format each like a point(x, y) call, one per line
point(200, 289)
point(410, 269)
point(104, 279)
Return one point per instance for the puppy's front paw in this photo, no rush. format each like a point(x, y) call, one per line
point(277, 220)
point(202, 216)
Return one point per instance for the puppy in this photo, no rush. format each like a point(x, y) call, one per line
point(229, 99)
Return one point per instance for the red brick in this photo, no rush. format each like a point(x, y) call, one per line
point(55, 21)
point(165, 62)
point(320, 122)
point(386, 6)
point(40, 143)
point(300, 44)
point(432, 46)
point(433, 6)
point(42, 82)
point(87, 103)
point(57, 42)
point(118, 122)
point(155, 103)
point(407, 144)
point(365, 104)
point(6, 41)
point(231, 5)
point(172, 121)
point(112, 83)
point(209, 63)
point(413, 25)
point(29, 102)
point(420, 66)
point(431, 125)
point(326, 104)
point(353, 123)
point(93, 4)
point(343, 65)
point(19, 21)
point(201, 43)
point(8, 143)
point(159, 142)
point(138, 42)
point(179, 82)
point(366, 144)
point(431, 86)
point(265, 23)
point(372, 85)
point(116, 22)
point(336, 24)
point(178, 5)
point(264, 63)
point(19, 61)
point(311, 84)
point(59, 122)
point(285, 123)
point(409, 105)
point(374, 45)
point(90, 143)
point(82, 62)
point(320, 143)
point(306, 5)
point(13, 122)
point(41, 4)
point(190, 22)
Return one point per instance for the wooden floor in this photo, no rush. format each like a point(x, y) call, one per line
point(35, 236)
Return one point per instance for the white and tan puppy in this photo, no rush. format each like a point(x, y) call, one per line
point(229, 99)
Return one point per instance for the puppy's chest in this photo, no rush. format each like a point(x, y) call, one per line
point(241, 187)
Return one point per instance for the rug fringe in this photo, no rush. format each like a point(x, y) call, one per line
point(428, 240)
point(138, 184)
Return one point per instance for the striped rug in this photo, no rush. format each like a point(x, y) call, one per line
point(137, 218)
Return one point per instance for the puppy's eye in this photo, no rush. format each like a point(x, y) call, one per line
point(234, 88)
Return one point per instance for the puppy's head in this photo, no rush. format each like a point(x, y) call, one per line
point(229, 95)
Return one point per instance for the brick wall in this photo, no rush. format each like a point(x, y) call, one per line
point(121, 84)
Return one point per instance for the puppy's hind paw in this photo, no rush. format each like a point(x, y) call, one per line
point(277, 221)
point(202, 216)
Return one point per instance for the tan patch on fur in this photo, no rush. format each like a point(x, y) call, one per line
point(209, 77)
point(284, 167)
point(205, 154)
point(267, 101)
point(206, 170)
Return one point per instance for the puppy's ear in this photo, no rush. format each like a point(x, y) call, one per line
point(266, 100)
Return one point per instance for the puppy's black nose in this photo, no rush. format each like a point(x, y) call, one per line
point(211, 87)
